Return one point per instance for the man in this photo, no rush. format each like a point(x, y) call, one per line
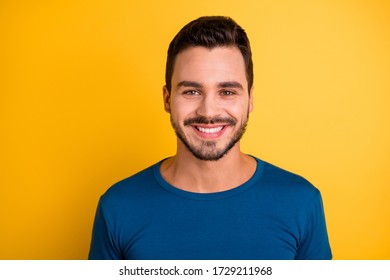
point(210, 200)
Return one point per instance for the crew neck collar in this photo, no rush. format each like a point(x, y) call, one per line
point(209, 196)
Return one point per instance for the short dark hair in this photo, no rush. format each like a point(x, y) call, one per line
point(210, 32)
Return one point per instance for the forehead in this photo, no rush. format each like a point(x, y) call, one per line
point(205, 65)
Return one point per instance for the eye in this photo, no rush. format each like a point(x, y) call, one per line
point(191, 92)
point(227, 93)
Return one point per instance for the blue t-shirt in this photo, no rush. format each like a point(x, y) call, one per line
point(274, 215)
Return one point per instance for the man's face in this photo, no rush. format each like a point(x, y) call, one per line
point(209, 102)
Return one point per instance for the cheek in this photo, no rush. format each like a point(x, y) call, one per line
point(182, 109)
point(239, 110)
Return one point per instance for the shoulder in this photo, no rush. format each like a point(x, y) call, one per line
point(135, 188)
point(295, 197)
point(284, 182)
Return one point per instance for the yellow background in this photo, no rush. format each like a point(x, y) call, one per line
point(81, 108)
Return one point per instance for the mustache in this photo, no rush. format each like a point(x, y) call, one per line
point(204, 120)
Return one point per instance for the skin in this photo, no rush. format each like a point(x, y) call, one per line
point(208, 84)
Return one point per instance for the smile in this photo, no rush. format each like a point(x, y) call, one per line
point(209, 130)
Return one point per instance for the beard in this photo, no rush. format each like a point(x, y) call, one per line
point(207, 150)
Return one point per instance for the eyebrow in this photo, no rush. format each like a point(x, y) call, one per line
point(189, 84)
point(229, 84)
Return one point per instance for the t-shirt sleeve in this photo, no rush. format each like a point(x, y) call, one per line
point(315, 243)
point(103, 244)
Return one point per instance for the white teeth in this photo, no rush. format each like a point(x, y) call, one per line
point(210, 130)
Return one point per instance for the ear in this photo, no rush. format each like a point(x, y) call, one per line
point(166, 99)
point(251, 98)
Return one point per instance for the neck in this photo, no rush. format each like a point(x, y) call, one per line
point(189, 173)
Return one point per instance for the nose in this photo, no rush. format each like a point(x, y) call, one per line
point(209, 106)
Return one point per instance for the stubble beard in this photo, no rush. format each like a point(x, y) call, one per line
point(207, 150)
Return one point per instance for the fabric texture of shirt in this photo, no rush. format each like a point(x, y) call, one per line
point(274, 215)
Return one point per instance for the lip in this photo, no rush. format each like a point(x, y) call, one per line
point(209, 131)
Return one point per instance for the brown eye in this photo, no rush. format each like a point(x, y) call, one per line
point(191, 92)
point(227, 92)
